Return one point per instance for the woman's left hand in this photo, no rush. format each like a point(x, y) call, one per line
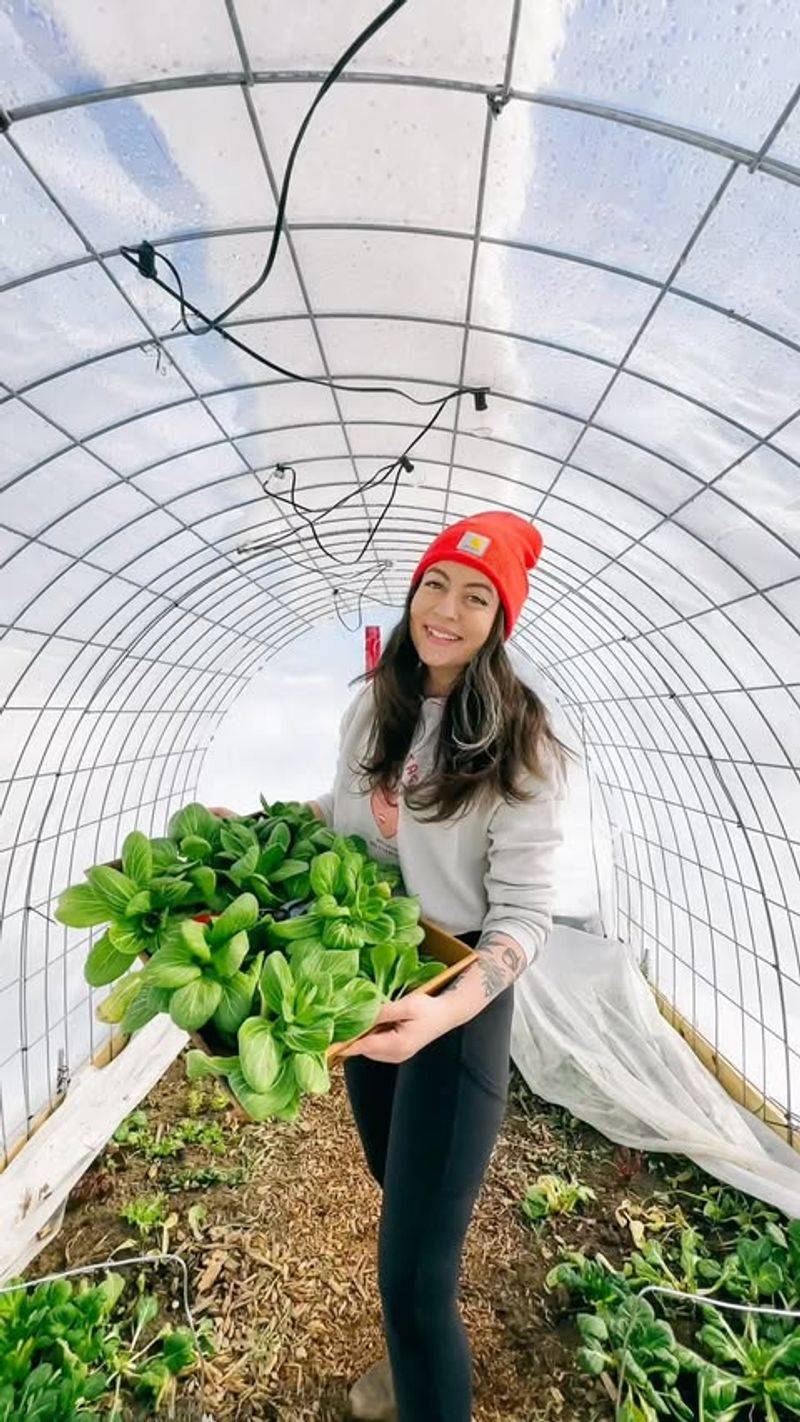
point(401, 1028)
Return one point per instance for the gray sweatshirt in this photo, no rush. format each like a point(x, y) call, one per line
point(489, 869)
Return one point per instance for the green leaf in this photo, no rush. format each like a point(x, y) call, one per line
point(339, 933)
point(405, 911)
point(786, 1391)
point(236, 838)
point(406, 967)
point(382, 929)
point(200, 1064)
point(346, 881)
point(137, 858)
point(383, 957)
point(146, 1311)
point(357, 1008)
point(306, 995)
point(308, 958)
point(717, 1342)
point(261, 1105)
point(126, 940)
point(246, 865)
point(235, 1003)
point(304, 925)
point(104, 963)
point(169, 893)
point(409, 937)
point(114, 1007)
point(194, 846)
point(425, 973)
point(277, 984)
point(238, 917)
point(297, 889)
point(139, 904)
point(324, 873)
point(194, 819)
point(114, 888)
point(259, 1054)
point(165, 855)
point(591, 1361)
point(289, 869)
point(592, 1327)
point(205, 881)
point(172, 966)
point(326, 906)
point(271, 859)
point(191, 1006)
point(178, 1350)
point(311, 1070)
point(312, 1037)
point(228, 959)
point(80, 906)
point(280, 836)
point(341, 963)
point(195, 936)
point(147, 1004)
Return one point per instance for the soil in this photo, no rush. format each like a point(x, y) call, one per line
point(284, 1263)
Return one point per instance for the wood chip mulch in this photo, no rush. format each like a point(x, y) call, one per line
point(284, 1264)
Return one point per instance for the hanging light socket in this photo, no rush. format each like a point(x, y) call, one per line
point(481, 403)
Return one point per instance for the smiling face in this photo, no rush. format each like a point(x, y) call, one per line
point(451, 615)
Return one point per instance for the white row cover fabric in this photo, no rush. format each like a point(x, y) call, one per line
point(587, 1034)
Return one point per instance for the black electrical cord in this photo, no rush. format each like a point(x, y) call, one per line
point(144, 258)
point(398, 465)
point(212, 323)
point(341, 63)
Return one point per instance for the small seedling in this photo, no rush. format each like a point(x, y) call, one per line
point(147, 1213)
point(554, 1195)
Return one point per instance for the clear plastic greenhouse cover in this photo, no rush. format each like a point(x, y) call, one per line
point(591, 209)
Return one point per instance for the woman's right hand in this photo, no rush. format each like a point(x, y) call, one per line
point(222, 813)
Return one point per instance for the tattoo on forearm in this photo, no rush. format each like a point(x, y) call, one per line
point(500, 962)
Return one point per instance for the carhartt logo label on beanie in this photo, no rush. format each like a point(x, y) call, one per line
point(503, 546)
point(475, 543)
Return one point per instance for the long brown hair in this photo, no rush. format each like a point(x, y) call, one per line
point(493, 727)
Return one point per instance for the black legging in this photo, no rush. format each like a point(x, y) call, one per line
point(428, 1127)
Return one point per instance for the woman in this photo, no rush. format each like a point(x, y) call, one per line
point(444, 733)
point(448, 765)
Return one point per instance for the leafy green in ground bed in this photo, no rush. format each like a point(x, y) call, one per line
point(677, 1358)
point(72, 1350)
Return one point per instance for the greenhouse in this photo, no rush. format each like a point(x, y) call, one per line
point(439, 362)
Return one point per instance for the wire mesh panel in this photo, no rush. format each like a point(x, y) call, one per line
point(589, 216)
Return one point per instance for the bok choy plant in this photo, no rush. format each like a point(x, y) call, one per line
point(306, 1005)
point(138, 902)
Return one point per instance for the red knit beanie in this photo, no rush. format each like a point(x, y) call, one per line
point(500, 545)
